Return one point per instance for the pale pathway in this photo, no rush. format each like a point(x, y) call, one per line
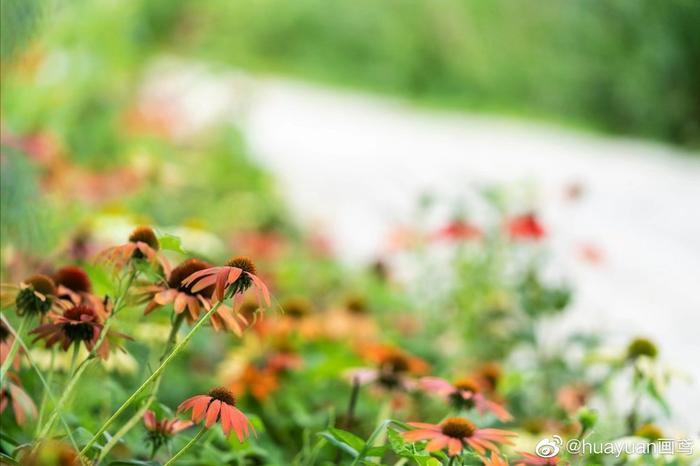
point(355, 165)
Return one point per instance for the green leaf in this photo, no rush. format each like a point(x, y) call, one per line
point(339, 444)
point(348, 437)
point(170, 242)
point(8, 459)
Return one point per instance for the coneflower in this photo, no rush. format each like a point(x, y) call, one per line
point(143, 244)
point(74, 287)
point(78, 324)
point(456, 434)
point(36, 296)
point(230, 280)
point(183, 298)
point(219, 405)
point(160, 433)
point(12, 393)
point(464, 394)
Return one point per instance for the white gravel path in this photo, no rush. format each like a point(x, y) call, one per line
point(355, 164)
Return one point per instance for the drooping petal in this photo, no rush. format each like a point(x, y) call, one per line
point(454, 447)
point(213, 413)
point(200, 408)
point(226, 422)
point(262, 287)
point(436, 385)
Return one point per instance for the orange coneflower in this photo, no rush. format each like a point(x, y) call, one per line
point(457, 433)
point(298, 318)
point(12, 393)
point(526, 227)
point(143, 244)
point(464, 394)
point(50, 452)
point(184, 298)
point(77, 324)
point(218, 405)
point(160, 432)
point(232, 279)
point(352, 321)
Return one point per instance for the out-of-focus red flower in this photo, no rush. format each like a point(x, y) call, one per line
point(457, 230)
point(591, 253)
point(525, 227)
point(573, 396)
point(464, 394)
point(6, 340)
point(394, 369)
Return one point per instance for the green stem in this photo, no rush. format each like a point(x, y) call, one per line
point(153, 377)
point(133, 420)
point(44, 398)
point(13, 349)
point(452, 461)
point(75, 377)
point(186, 447)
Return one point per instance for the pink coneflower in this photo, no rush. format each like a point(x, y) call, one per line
point(457, 230)
point(75, 325)
point(573, 396)
point(464, 394)
point(184, 299)
point(218, 405)
point(232, 279)
point(533, 460)
point(526, 227)
point(12, 393)
point(457, 433)
point(143, 244)
point(160, 432)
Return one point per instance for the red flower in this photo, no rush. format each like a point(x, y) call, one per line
point(457, 230)
point(77, 324)
point(73, 287)
point(455, 434)
point(219, 404)
point(232, 279)
point(526, 227)
point(464, 393)
point(13, 393)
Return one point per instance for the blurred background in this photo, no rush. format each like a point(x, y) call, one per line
point(346, 118)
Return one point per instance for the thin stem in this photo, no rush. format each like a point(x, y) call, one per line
point(452, 460)
point(186, 447)
point(153, 377)
point(75, 377)
point(44, 397)
point(133, 420)
point(15, 346)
